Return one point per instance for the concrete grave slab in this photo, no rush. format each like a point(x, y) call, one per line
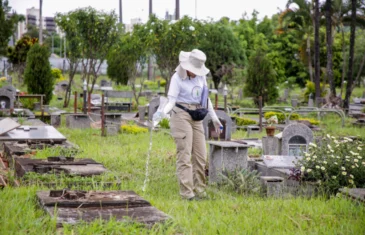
point(72, 207)
point(7, 124)
point(277, 161)
point(33, 133)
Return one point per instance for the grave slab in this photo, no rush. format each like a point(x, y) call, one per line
point(80, 167)
point(7, 124)
point(33, 133)
point(354, 193)
point(278, 161)
point(72, 207)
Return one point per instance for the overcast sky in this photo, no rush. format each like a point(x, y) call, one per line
point(139, 8)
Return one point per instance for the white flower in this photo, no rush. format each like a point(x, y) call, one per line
point(348, 139)
point(302, 168)
point(319, 181)
point(314, 157)
point(351, 176)
point(353, 166)
point(182, 28)
point(363, 163)
point(351, 181)
point(356, 165)
point(335, 163)
point(344, 173)
point(318, 167)
point(151, 31)
point(334, 177)
point(324, 162)
point(359, 157)
point(332, 156)
point(347, 160)
point(308, 158)
point(355, 154)
point(191, 28)
point(328, 136)
point(343, 168)
point(322, 168)
point(337, 145)
point(332, 150)
point(355, 160)
point(347, 157)
point(338, 157)
point(329, 146)
point(359, 148)
point(313, 144)
point(336, 142)
point(307, 154)
point(309, 170)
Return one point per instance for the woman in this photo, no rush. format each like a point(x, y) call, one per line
point(186, 88)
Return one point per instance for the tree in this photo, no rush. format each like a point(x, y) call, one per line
point(17, 55)
point(329, 44)
point(98, 32)
point(261, 78)
point(300, 18)
point(168, 39)
point(7, 25)
point(68, 24)
point(38, 76)
point(223, 51)
point(346, 103)
point(117, 69)
point(317, 67)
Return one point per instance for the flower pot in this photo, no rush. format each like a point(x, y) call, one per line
point(270, 130)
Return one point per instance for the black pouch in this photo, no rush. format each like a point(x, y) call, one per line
point(197, 114)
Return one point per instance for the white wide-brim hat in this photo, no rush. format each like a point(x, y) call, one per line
point(193, 61)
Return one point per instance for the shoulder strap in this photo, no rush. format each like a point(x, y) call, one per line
point(182, 107)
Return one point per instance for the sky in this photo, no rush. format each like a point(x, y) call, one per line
point(202, 9)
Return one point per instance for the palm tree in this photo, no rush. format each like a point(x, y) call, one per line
point(301, 19)
point(346, 103)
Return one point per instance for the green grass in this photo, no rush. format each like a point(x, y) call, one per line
point(224, 213)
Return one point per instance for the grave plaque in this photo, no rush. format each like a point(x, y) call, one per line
point(152, 107)
point(72, 207)
point(277, 161)
point(7, 124)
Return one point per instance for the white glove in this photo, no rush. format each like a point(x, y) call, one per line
point(158, 116)
point(217, 125)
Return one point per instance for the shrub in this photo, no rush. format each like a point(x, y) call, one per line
point(38, 76)
point(310, 88)
point(133, 129)
point(242, 181)
point(2, 81)
point(335, 164)
point(57, 75)
point(310, 120)
point(164, 123)
point(281, 116)
point(244, 121)
point(28, 103)
point(163, 82)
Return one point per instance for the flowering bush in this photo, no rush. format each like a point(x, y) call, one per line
point(336, 163)
point(272, 120)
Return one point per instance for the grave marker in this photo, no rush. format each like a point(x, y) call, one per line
point(209, 129)
point(295, 139)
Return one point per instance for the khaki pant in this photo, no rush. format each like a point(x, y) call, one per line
point(191, 151)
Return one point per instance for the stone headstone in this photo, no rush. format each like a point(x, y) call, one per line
point(77, 121)
point(310, 102)
point(55, 120)
point(272, 186)
point(10, 88)
point(111, 129)
point(295, 139)
point(363, 95)
point(294, 103)
point(7, 99)
point(286, 93)
point(62, 86)
point(209, 129)
point(240, 94)
point(105, 83)
point(153, 106)
point(226, 157)
point(271, 145)
point(142, 112)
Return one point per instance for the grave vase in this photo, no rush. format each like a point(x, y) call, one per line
point(270, 130)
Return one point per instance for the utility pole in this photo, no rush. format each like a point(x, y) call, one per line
point(120, 12)
point(150, 59)
point(40, 23)
point(177, 13)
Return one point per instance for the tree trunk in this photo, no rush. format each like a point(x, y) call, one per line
point(343, 60)
point(316, 50)
point(346, 103)
point(329, 39)
point(357, 79)
point(310, 68)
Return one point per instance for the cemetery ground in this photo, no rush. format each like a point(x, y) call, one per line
point(223, 212)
